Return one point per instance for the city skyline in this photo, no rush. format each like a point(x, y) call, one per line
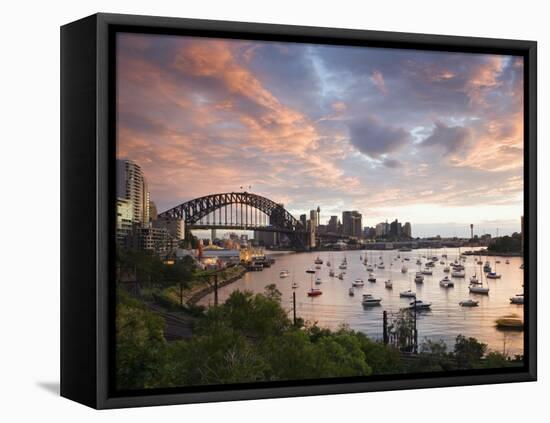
point(390, 133)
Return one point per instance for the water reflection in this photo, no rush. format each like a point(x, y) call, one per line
point(445, 320)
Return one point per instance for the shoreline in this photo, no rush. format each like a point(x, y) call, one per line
point(205, 290)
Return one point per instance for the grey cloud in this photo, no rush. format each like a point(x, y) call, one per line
point(373, 138)
point(451, 138)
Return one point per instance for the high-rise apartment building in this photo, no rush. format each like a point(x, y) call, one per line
point(132, 186)
point(407, 230)
point(352, 224)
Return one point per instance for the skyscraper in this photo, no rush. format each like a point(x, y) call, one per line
point(352, 223)
point(132, 186)
point(407, 230)
point(332, 226)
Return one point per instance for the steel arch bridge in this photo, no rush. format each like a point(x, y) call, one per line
point(240, 211)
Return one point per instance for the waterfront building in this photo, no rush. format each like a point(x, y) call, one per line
point(174, 226)
point(382, 229)
point(132, 186)
point(407, 230)
point(332, 226)
point(124, 221)
point(395, 229)
point(303, 220)
point(154, 240)
point(266, 239)
point(352, 224)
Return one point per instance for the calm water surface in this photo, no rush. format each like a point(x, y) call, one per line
point(445, 320)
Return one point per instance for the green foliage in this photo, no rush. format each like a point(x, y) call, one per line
point(140, 349)
point(506, 244)
point(468, 352)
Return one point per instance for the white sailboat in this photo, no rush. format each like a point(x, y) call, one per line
point(479, 288)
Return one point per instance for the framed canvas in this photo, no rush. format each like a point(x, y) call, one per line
point(258, 211)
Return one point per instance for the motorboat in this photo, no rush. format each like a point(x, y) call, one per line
point(479, 289)
point(284, 274)
point(370, 268)
point(388, 284)
point(318, 260)
point(469, 303)
point(317, 266)
point(446, 269)
point(458, 274)
point(381, 265)
point(419, 277)
point(343, 266)
point(446, 282)
point(430, 264)
point(314, 292)
point(487, 267)
point(318, 281)
point(419, 305)
point(407, 294)
point(370, 300)
point(507, 261)
point(371, 278)
point(517, 299)
point(341, 275)
point(358, 282)
point(351, 292)
point(406, 259)
point(419, 262)
point(493, 275)
point(474, 280)
point(331, 273)
point(427, 271)
point(404, 269)
point(458, 267)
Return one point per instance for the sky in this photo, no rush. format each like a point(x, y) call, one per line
point(433, 138)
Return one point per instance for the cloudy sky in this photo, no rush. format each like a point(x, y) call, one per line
point(433, 138)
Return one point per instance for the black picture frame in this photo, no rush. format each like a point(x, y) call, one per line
point(87, 202)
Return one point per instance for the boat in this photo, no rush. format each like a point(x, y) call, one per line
point(284, 274)
point(494, 274)
point(404, 269)
point(317, 266)
point(328, 263)
point(507, 261)
point(419, 262)
point(295, 285)
point(487, 267)
point(370, 268)
point(371, 278)
point(430, 264)
point(381, 265)
point(446, 269)
point(427, 271)
point(497, 261)
point(441, 262)
point(405, 249)
point(343, 266)
point(318, 260)
point(509, 322)
point(358, 282)
point(406, 259)
point(341, 275)
point(476, 289)
point(331, 273)
point(419, 305)
point(388, 284)
point(474, 280)
point(370, 300)
point(446, 282)
point(469, 303)
point(458, 274)
point(419, 277)
point(522, 266)
point(457, 267)
point(313, 292)
point(318, 281)
point(351, 292)
point(517, 299)
point(407, 294)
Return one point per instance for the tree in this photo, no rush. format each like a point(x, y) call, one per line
point(468, 352)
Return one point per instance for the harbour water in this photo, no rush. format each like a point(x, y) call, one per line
point(444, 321)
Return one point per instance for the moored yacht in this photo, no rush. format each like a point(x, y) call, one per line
point(419, 305)
point(517, 299)
point(407, 294)
point(284, 274)
point(419, 277)
point(370, 300)
point(358, 282)
point(318, 260)
point(474, 280)
point(446, 282)
point(388, 284)
point(469, 303)
point(371, 278)
point(458, 274)
point(427, 271)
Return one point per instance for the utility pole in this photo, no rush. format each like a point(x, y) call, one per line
point(294, 306)
point(385, 327)
point(215, 290)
